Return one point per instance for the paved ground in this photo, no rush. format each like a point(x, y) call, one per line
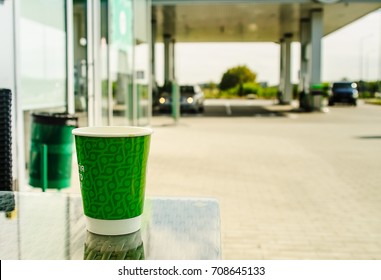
point(290, 185)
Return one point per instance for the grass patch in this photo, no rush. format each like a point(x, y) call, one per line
point(248, 90)
point(373, 101)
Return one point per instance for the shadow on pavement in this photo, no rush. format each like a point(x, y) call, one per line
point(243, 111)
point(235, 111)
point(371, 137)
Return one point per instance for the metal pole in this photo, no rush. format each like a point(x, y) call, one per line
point(110, 100)
point(361, 59)
point(379, 56)
point(90, 63)
point(167, 41)
point(20, 142)
point(69, 58)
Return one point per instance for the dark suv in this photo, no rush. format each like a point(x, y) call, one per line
point(343, 92)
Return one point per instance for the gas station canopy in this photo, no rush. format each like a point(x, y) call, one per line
point(250, 21)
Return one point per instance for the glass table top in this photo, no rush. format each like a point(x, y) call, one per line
point(47, 226)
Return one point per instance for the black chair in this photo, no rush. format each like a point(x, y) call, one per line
point(6, 180)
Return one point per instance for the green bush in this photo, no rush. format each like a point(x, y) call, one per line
point(249, 88)
point(211, 93)
point(268, 92)
point(366, 94)
point(230, 93)
point(373, 101)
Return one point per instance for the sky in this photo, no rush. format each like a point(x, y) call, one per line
point(352, 52)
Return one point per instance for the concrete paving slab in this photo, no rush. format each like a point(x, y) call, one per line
point(295, 186)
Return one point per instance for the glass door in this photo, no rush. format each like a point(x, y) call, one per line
point(142, 87)
point(121, 61)
point(106, 85)
point(80, 42)
point(142, 57)
point(111, 62)
point(90, 36)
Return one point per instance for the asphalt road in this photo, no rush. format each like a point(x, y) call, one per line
point(234, 108)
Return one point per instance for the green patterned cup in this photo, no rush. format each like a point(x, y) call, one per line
point(112, 163)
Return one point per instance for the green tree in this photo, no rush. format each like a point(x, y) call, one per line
point(237, 76)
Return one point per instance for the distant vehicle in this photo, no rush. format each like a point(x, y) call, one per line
point(343, 92)
point(191, 99)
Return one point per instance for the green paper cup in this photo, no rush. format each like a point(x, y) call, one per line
point(112, 163)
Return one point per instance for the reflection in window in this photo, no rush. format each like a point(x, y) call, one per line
point(121, 49)
point(43, 54)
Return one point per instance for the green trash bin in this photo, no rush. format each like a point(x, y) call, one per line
point(317, 97)
point(51, 150)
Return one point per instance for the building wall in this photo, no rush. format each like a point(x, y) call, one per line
point(34, 42)
point(7, 69)
point(6, 46)
point(42, 54)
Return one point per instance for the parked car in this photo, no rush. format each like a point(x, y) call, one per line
point(343, 92)
point(191, 99)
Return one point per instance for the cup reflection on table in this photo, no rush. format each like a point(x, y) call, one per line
point(114, 247)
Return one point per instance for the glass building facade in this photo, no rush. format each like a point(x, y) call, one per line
point(82, 57)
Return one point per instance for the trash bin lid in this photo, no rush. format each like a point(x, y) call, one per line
point(55, 118)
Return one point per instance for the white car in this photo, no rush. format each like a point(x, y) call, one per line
point(191, 99)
